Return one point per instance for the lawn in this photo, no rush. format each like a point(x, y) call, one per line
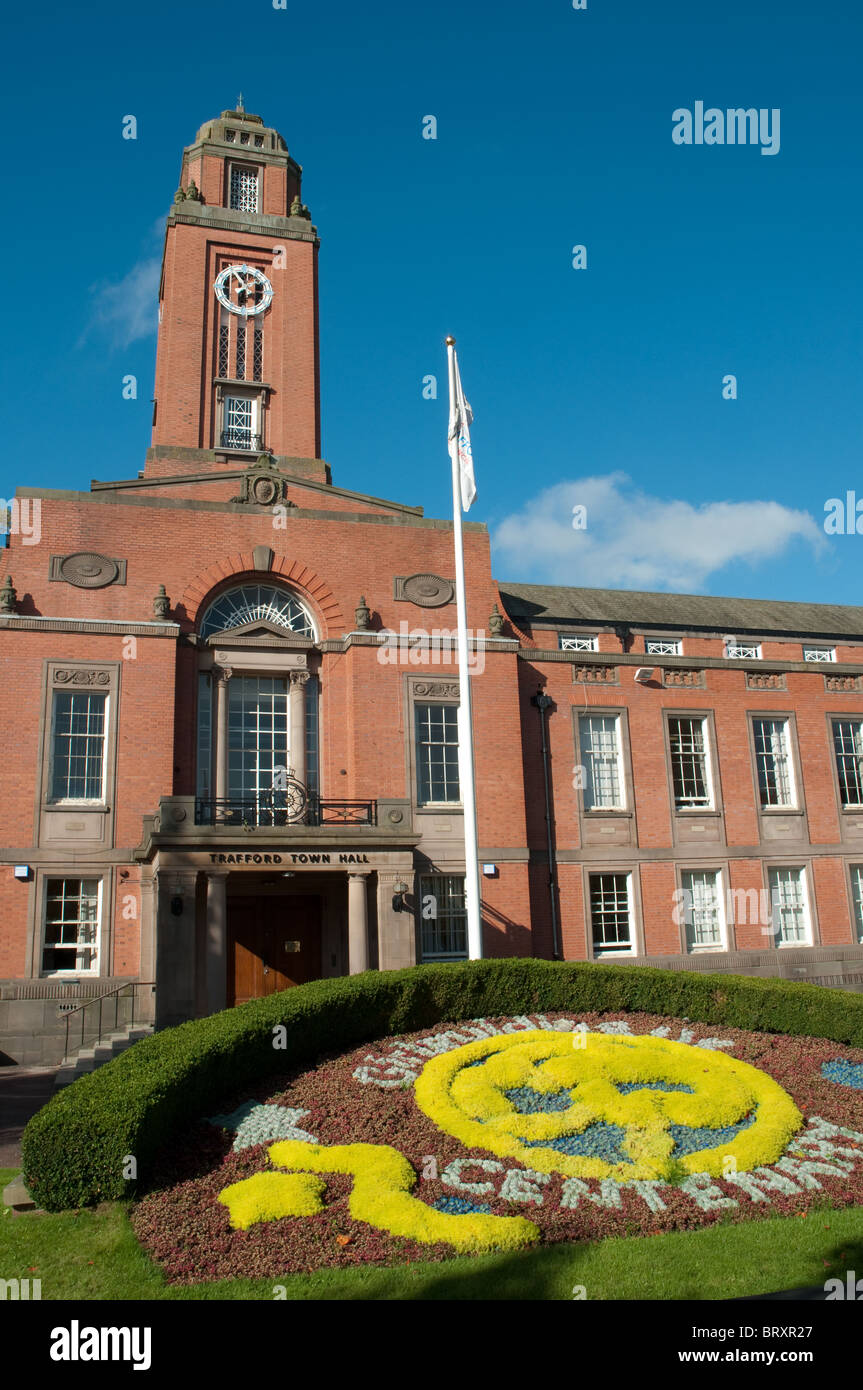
point(93, 1254)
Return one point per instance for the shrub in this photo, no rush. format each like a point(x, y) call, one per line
point(75, 1149)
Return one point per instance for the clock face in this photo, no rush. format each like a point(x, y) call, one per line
point(243, 290)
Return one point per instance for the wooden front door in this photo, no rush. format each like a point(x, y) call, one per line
point(275, 942)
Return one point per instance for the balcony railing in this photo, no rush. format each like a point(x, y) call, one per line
point(266, 812)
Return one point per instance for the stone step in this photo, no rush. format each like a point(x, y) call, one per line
point(89, 1058)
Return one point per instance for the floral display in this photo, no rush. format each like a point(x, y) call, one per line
point(500, 1133)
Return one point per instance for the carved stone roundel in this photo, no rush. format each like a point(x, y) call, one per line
point(87, 570)
point(265, 491)
point(428, 590)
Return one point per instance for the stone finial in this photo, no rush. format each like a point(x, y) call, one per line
point(362, 615)
point(179, 196)
point(8, 596)
point(495, 622)
point(299, 209)
point(161, 603)
point(193, 193)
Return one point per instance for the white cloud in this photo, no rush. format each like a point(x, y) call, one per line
point(127, 310)
point(636, 541)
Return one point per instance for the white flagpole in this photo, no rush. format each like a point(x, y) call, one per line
point(465, 721)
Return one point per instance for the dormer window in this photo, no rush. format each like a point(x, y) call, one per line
point(243, 188)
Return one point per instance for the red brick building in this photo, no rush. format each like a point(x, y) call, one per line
point(229, 696)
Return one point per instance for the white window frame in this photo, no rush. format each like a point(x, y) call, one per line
point(78, 800)
point(242, 166)
point(663, 646)
point(692, 946)
point(585, 716)
point(681, 807)
point(819, 654)
point(606, 952)
point(857, 737)
point(95, 957)
point(856, 871)
point(742, 651)
point(803, 880)
point(792, 804)
point(453, 803)
point(255, 431)
point(573, 642)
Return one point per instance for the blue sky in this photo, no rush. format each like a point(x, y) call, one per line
point(600, 386)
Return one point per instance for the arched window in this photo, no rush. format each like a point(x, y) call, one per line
point(251, 603)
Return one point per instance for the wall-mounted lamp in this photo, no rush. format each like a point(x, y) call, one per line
point(22, 871)
point(644, 674)
point(490, 870)
point(399, 890)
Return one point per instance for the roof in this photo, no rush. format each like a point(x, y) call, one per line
point(548, 603)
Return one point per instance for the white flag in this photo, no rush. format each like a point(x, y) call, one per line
point(460, 421)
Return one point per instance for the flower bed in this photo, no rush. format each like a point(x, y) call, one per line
point(502, 1132)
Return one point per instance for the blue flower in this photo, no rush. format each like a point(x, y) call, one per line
point(844, 1073)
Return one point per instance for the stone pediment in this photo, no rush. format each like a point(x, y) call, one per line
point(259, 631)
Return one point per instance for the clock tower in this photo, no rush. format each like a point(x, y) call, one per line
point(237, 357)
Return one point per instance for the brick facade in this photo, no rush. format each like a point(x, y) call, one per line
point(192, 878)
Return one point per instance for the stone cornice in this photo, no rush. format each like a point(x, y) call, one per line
point(110, 626)
point(402, 516)
point(687, 663)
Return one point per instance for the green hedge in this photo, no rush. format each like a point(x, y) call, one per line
point(75, 1148)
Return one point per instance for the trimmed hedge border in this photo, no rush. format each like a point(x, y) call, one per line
point(74, 1150)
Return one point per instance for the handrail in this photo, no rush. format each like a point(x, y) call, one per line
point(81, 1009)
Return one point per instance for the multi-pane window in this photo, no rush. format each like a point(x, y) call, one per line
point(599, 739)
point(258, 351)
point(690, 766)
point(71, 939)
point(571, 643)
point(241, 350)
point(857, 900)
point(743, 651)
point(224, 339)
point(790, 910)
point(257, 739)
point(244, 188)
point(848, 745)
point(664, 646)
point(313, 736)
point(238, 423)
point(610, 912)
point(443, 917)
point(256, 603)
point(205, 734)
point(821, 654)
point(78, 745)
point(773, 762)
point(703, 917)
point(436, 731)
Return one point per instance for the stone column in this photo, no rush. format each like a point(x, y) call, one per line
point(223, 675)
point(297, 723)
point(358, 924)
point(216, 938)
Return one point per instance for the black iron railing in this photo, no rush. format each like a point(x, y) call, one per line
point(270, 810)
point(96, 1014)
